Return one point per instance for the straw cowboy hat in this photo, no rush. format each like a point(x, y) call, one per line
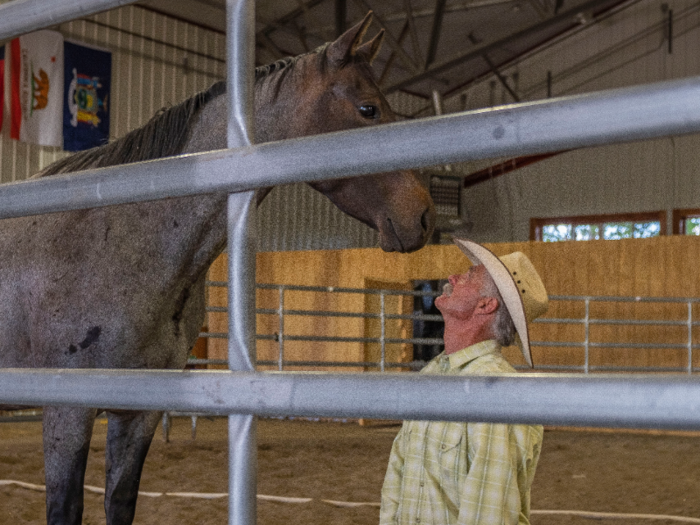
point(518, 283)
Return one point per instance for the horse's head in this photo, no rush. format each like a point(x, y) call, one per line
point(335, 90)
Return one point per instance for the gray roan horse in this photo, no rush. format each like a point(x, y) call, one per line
point(123, 286)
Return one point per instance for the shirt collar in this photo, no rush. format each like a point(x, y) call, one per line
point(464, 356)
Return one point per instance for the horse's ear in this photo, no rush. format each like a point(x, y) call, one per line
point(344, 48)
point(370, 49)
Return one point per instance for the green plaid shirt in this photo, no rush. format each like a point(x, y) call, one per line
point(445, 473)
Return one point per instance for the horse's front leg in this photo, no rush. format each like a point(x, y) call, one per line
point(67, 433)
point(129, 435)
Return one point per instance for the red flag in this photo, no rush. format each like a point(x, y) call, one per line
point(36, 88)
point(2, 82)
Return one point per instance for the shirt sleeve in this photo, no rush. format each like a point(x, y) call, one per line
point(391, 490)
point(490, 494)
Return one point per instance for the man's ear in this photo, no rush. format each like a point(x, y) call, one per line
point(487, 305)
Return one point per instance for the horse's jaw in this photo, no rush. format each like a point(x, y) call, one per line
point(394, 204)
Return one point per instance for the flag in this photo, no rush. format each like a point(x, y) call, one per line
point(2, 83)
point(87, 82)
point(36, 88)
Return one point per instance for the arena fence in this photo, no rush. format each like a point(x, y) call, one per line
point(683, 330)
point(562, 399)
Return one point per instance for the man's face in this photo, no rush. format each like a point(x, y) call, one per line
point(462, 293)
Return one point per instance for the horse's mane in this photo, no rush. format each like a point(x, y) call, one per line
point(162, 136)
point(165, 134)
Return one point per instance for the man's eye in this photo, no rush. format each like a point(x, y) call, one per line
point(369, 111)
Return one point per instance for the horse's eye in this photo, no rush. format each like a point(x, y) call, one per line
point(369, 111)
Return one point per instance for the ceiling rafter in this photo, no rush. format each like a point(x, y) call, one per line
point(292, 15)
point(392, 56)
point(435, 32)
point(495, 70)
point(492, 46)
point(390, 39)
point(411, 21)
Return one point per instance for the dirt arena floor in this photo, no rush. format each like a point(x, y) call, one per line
point(592, 471)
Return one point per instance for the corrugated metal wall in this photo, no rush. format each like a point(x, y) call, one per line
point(147, 74)
point(159, 61)
point(625, 49)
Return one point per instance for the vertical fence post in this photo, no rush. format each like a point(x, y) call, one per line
point(240, 47)
point(690, 337)
point(382, 321)
point(586, 341)
point(280, 337)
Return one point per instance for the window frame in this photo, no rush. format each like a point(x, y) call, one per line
point(537, 223)
point(679, 218)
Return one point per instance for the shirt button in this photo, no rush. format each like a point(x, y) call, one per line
point(444, 446)
point(422, 484)
point(417, 520)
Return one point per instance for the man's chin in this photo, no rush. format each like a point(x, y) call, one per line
point(440, 299)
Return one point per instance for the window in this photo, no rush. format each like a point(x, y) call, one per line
point(594, 227)
point(686, 222)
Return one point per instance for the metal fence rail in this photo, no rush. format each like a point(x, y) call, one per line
point(604, 118)
point(585, 344)
point(561, 399)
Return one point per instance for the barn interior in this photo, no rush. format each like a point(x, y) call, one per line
point(613, 229)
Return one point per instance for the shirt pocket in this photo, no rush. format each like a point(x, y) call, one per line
point(452, 462)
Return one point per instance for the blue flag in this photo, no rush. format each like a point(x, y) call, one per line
point(87, 81)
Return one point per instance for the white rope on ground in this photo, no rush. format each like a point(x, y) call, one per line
point(199, 495)
point(353, 504)
point(615, 515)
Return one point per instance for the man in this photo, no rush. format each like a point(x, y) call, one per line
point(444, 473)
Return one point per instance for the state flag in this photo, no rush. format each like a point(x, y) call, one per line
point(36, 88)
point(87, 84)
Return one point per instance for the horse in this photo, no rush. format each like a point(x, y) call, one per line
point(123, 286)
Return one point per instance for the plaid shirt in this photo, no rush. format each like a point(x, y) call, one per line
point(445, 473)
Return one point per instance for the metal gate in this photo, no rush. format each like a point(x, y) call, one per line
point(522, 129)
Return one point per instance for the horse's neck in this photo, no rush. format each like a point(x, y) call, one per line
point(206, 214)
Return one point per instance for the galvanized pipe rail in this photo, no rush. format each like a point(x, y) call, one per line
point(566, 399)
point(23, 16)
point(606, 117)
point(382, 340)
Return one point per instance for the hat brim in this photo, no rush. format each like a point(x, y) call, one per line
point(478, 254)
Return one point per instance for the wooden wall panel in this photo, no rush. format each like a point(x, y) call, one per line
point(658, 267)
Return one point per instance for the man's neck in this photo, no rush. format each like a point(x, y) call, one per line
point(461, 335)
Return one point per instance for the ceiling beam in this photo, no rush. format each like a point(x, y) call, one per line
point(341, 15)
point(292, 15)
point(495, 70)
point(491, 46)
point(435, 33)
point(389, 38)
point(412, 29)
point(392, 56)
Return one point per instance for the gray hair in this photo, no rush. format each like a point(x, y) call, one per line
point(503, 327)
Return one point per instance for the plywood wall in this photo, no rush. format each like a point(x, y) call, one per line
point(659, 267)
